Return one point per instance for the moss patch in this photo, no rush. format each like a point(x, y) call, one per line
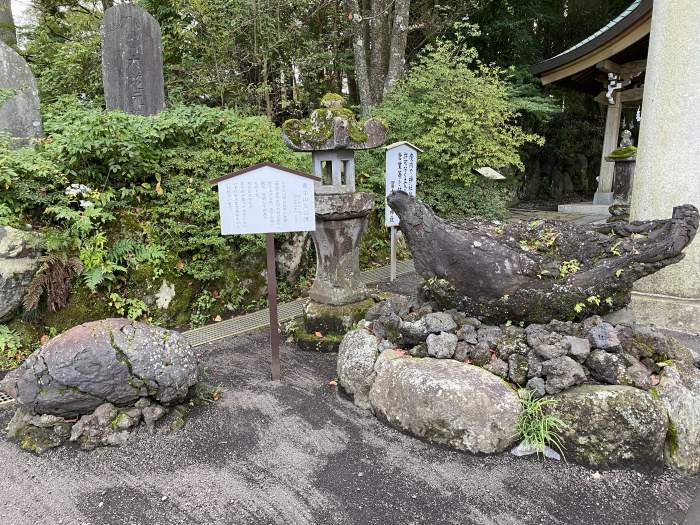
point(310, 342)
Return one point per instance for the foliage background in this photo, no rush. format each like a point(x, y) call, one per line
point(234, 71)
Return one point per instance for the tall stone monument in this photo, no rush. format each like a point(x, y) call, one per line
point(669, 158)
point(132, 61)
point(19, 98)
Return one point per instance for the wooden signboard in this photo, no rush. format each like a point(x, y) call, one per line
point(268, 199)
point(401, 171)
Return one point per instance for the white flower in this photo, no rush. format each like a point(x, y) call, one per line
point(86, 204)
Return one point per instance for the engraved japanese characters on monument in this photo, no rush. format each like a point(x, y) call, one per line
point(19, 99)
point(132, 61)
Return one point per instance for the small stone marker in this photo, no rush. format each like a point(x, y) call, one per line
point(401, 171)
point(19, 98)
point(132, 61)
point(266, 198)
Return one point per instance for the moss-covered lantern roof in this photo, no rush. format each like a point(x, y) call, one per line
point(333, 127)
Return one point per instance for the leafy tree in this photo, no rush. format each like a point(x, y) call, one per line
point(462, 113)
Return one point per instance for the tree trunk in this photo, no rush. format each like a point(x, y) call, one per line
point(397, 53)
point(359, 48)
point(379, 30)
point(7, 23)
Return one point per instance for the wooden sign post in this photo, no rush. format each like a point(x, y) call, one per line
point(401, 171)
point(268, 199)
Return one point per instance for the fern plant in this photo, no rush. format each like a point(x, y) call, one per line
point(54, 280)
point(10, 348)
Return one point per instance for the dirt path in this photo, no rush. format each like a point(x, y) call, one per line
point(296, 453)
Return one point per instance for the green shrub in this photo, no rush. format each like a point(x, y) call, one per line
point(10, 348)
point(124, 194)
point(461, 113)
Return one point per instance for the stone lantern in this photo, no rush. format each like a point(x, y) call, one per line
point(338, 297)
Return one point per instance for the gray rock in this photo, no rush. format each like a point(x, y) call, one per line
point(579, 348)
point(512, 341)
point(611, 426)
point(19, 114)
point(650, 342)
point(534, 365)
point(480, 354)
point(562, 373)
point(604, 336)
point(439, 322)
point(356, 356)
point(18, 264)
point(413, 332)
point(151, 414)
point(132, 61)
point(547, 352)
point(497, 367)
point(472, 321)
point(489, 335)
point(467, 333)
point(679, 390)
point(385, 357)
point(605, 367)
point(462, 351)
point(517, 369)
point(106, 426)
point(420, 350)
point(447, 402)
point(114, 360)
point(441, 345)
point(536, 386)
point(37, 433)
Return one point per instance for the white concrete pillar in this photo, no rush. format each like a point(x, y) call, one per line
point(668, 161)
point(603, 194)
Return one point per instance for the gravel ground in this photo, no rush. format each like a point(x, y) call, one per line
point(296, 452)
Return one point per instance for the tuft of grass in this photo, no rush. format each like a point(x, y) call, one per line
point(537, 428)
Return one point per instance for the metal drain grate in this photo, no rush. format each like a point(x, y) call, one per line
point(5, 399)
point(286, 311)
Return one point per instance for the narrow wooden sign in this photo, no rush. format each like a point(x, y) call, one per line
point(401, 172)
point(267, 198)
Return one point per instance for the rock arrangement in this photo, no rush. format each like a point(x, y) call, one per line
point(627, 393)
point(97, 382)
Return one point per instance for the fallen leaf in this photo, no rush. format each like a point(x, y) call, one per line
point(318, 334)
point(333, 382)
point(180, 265)
point(217, 318)
point(44, 339)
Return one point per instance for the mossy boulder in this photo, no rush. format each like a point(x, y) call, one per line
point(327, 318)
point(612, 426)
point(114, 360)
point(679, 391)
point(447, 402)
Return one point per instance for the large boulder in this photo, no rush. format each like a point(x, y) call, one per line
point(114, 360)
point(356, 356)
point(612, 426)
point(18, 263)
point(679, 390)
point(447, 402)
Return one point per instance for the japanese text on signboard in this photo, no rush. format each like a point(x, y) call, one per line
point(400, 176)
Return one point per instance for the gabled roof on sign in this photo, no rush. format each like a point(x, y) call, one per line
point(254, 167)
point(623, 30)
point(403, 143)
